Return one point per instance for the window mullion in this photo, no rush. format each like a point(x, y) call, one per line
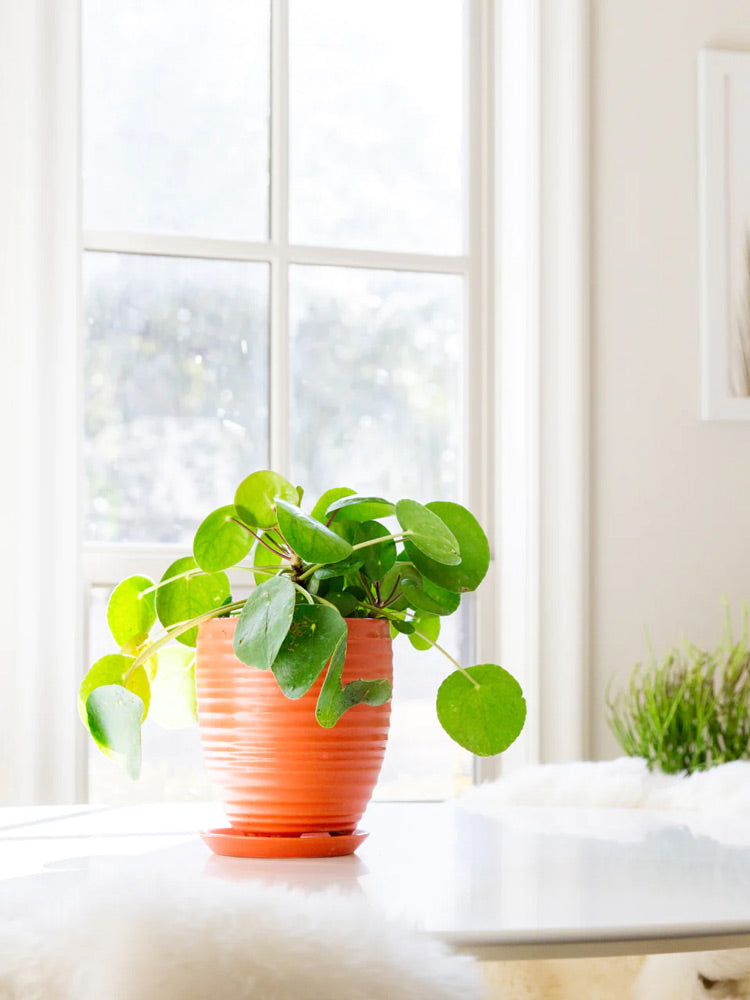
point(478, 408)
point(279, 311)
point(176, 245)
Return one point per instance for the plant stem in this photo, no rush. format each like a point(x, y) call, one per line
point(397, 536)
point(196, 571)
point(308, 596)
point(392, 596)
point(176, 630)
point(360, 545)
point(445, 653)
point(265, 570)
point(322, 600)
point(432, 642)
point(277, 550)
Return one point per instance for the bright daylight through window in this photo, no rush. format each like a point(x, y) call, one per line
point(276, 275)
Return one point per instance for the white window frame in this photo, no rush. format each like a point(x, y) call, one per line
point(543, 379)
point(528, 316)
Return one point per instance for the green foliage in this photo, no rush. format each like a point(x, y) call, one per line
point(482, 706)
point(221, 541)
point(256, 497)
point(130, 611)
point(690, 710)
point(473, 547)
point(116, 668)
point(355, 508)
point(113, 716)
point(335, 698)
point(264, 622)
point(185, 592)
point(311, 571)
point(428, 533)
point(315, 632)
point(311, 540)
point(173, 696)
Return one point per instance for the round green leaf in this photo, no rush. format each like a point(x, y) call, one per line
point(359, 508)
point(131, 616)
point(484, 718)
point(405, 628)
point(111, 670)
point(113, 717)
point(428, 533)
point(473, 546)
point(426, 625)
point(264, 622)
point(424, 595)
point(256, 497)
point(344, 601)
point(313, 635)
point(377, 559)
point(336, 698)
point(189, 596)
point(311, 540)
point(221, 541)
point(326, 499)
point(173, 697)
point(341, 568)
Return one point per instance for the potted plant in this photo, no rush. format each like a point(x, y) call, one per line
point(690, 710)
point(310, 648)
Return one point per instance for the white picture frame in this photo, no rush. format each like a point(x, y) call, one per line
point(724, 180)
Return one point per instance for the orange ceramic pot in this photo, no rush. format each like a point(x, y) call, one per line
point(280, 773)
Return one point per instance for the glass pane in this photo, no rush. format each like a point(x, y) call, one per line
point(421, 761)
point(376, 381)
point(376, 124)
point(176, 386)
point(376, 362)
point(176, 116)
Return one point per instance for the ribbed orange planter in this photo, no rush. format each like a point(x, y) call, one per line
point(280, 773)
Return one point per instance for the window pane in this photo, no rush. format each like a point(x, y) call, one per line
point(376, 381)
point(176, 113)
point(376, 124)
point(376, 406)
point(421, 761)
point(176, 384)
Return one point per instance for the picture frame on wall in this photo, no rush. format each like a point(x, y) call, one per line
point(724, 179)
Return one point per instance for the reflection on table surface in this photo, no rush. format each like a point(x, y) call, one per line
point(532, 879)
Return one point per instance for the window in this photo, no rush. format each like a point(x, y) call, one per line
point(281, 270)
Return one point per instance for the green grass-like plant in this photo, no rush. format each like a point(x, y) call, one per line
point(690, 710)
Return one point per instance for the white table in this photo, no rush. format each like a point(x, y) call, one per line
point(537, 883)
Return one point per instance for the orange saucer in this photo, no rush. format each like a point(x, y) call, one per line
point(235, 844)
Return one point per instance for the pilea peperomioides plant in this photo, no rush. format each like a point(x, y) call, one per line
point(309, 572)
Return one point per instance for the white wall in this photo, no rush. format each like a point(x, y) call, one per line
point(670, 495)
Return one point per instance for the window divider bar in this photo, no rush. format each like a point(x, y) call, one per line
point(169, 245)
point(379, 259)
point(159, 245)
point(279, 352)
point(480, 355)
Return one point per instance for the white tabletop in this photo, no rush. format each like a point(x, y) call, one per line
point(536, 882)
